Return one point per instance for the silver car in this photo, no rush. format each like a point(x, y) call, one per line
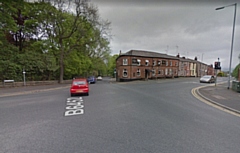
point(207, 79)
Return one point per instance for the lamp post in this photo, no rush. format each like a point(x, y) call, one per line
point(235, 10)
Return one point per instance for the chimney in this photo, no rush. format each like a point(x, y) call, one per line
point(183, 57)
point(178, 55)
point(120, 52)
point(195, 58)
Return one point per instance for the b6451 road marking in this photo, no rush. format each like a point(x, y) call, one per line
point(74, 106)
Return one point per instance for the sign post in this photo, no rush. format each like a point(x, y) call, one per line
point(217, 66)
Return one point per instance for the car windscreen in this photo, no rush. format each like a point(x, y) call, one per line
point(206, 77)
point(79, 83)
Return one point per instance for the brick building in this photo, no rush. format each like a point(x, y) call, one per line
point(136, 65)
point(139, 65)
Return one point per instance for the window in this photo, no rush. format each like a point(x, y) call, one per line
point(138, 72)
point(154, 62)
point(125, 73)
point(166, 63)
point(176, 64)
point(163, 62)
point(146, 62)
point(139, 62)
point(125, 61)
point(153, 72)
point(159, 72)
point(159, 62)
point(136, 61)
point(166, 71)
point(170, 71)
point(170, 63)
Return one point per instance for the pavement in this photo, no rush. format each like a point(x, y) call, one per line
point(14, 91)
point(222, 96)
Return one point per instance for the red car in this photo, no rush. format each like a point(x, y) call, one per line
point(79, 86)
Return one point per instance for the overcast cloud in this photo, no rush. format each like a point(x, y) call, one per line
point(194, 26)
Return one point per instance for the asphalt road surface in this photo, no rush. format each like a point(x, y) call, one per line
point(144, 116)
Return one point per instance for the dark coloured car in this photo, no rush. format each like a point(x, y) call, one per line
point(91, 79)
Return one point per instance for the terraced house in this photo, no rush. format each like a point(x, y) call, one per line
point(139, 65)
point(136, 65)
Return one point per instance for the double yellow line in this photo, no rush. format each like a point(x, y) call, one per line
point(196, 94)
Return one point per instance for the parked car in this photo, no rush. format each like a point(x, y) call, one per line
point(79, 86)
point(207, 79)
point(91, 79)
point(99, 78)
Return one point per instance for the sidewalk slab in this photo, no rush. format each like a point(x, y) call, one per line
point(221, 95)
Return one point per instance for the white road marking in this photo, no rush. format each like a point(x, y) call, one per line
point(74, 106)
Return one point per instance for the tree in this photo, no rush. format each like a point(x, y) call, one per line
point(235, 71)
point(49, 37)
point(111, 64)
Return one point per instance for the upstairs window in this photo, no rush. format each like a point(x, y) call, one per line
point(135, 61)
point(166, 63)
point(139, 62)
point(159, 63)
point(146, 62)
point(125, 61)
point(154, 62)
point(176, 64)
point(170, 63)
point(163, 62)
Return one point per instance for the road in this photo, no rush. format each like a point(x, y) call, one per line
point(143, 116)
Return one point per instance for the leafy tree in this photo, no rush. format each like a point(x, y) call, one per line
point(111, 65)
point(220, 74)
point(235, 71)
point(49, 37)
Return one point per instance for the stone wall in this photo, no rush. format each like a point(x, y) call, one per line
point(32, 83)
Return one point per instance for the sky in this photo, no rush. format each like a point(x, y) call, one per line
point(188, 27)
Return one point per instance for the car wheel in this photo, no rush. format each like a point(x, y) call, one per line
point(87, 94)
point(71, 95)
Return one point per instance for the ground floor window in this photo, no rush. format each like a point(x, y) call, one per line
point(170, 71)
point(125, 74)
point(160, 72)
point(138, 72)
point(166, 71)
point(153, 72)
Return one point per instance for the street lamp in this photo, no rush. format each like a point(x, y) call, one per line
point(235, 10)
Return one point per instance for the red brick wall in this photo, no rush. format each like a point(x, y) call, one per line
point(210, 70)
point(132, 69)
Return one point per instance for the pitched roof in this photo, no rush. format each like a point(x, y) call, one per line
point(142, 53)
